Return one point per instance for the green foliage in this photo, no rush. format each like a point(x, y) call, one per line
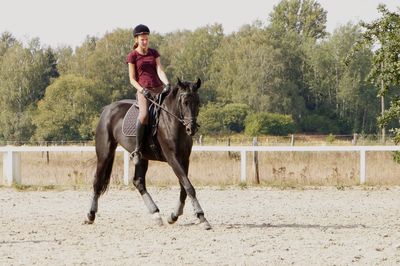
point(390, 115)
point(396, 156)
point(233, 117)
point(330, 138)
point(305, 17)
point(250, 74)
point(210, 119)
point(228, 118)
point(384, 33)
point(318, 124)
point(338, 89)
point(68, 110)
point(289, 66)
point(24, 75)
point(269, 124)
point(296, 25)
point(188, 55)
point(107, 64)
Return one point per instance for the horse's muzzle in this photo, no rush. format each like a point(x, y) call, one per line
point(191, 129)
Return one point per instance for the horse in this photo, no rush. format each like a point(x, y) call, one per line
point(173, 139)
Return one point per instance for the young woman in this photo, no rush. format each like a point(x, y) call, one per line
point(146, 74)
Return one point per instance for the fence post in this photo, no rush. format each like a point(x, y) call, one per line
point(255, 162)
point(47, 153)
point(354, 140)
point(229, 144)
point(243, 162)
point(362, 167)
point(126, 167)
point(12, 167)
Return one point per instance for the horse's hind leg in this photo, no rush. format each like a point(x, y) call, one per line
point(139, 181)
point(105, 159)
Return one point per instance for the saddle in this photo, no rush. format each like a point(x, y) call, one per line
point(129, 121)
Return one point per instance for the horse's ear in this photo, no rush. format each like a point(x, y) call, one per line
point(180, 83)
point(176, 88)
point(198, 84)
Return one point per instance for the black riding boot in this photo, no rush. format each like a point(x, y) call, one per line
point(136, 154)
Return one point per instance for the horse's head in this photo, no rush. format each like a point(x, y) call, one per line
point(188, 104)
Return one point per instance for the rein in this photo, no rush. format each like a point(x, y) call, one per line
point(185, 121)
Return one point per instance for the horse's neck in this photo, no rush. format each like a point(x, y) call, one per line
point(170, 104)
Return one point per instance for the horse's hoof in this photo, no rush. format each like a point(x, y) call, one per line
point(206, 225)
point(172, 218)
point(90, 218)
point(157, 219)
point(88, 222)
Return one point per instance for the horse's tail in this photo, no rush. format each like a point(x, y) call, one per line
point(105, 151)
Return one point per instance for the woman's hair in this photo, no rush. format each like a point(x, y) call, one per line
point(136, 43)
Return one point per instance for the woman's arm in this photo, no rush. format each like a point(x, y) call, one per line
point(132, 78)
point(160, 72)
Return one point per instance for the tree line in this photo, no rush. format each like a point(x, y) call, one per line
point(288, 75)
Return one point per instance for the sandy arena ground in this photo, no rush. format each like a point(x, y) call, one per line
point(251, 226)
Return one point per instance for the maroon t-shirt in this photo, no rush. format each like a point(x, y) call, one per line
point(145, 68)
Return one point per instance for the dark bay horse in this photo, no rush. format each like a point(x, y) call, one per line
point(177, 125)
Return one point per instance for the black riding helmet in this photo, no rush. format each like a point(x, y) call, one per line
point(141, 29)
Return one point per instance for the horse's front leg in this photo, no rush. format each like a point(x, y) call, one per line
point(179, 208)
point(139, 181)
point(181, 171)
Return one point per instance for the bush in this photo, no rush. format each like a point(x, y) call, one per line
point(269, 124)
point(68, 110)
point(210, 119)
point(233, 117)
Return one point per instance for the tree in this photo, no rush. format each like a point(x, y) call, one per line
point(188, 55)
point(82, 54)
point(340, 91)
point(7, 40)
point(107, 64)
point(69, 110)
point(384, 34)
point(246, 69)
point(65, 59)
point(294, 25)
point(24, 75)
point(305, 17)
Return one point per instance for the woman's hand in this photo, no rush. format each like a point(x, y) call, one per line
point(167, 89)
point(146, 93)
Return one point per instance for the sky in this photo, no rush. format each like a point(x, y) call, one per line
point(68, 22)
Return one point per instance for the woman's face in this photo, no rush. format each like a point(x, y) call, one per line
point(143, 41)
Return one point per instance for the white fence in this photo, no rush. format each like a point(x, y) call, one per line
point(12, 156)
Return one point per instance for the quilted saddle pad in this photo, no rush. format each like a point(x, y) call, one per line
point(129, 122)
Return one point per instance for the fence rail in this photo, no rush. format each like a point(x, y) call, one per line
point(12, 156)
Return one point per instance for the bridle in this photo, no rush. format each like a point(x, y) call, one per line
point(184, 120)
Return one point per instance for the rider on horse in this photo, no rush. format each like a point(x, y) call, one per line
point(146, 74)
